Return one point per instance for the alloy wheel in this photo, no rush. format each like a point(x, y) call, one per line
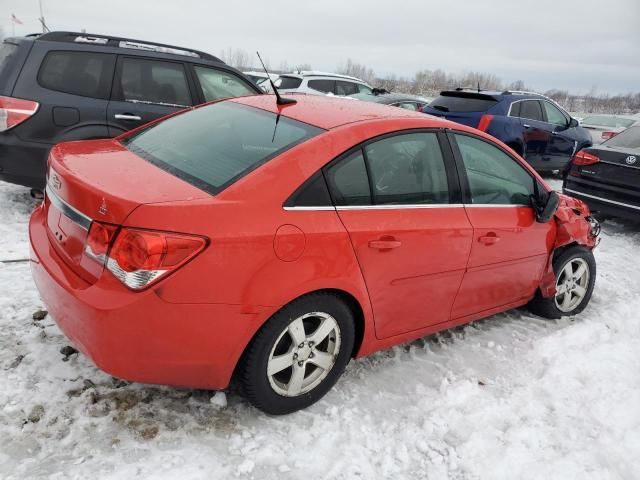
point(572, 284)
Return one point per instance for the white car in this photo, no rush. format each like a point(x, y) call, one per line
point(603, 127)
point(321, 83)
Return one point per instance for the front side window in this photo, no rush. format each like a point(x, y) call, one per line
point(152, 81)
point(212, 146)
point(494, 177)
point(79, 73)
point(325, 86)
point(364, 89)
point(531, 110)
point(346, 88)
point(408, 169)
point(348, 181)
point(554, 115)
point(217, 84)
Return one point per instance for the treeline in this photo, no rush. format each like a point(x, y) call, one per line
point(429, 83)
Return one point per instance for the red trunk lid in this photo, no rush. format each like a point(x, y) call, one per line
point(103, 181)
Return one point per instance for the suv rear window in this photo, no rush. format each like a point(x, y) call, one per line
point(288, 82)
point(6, 49)
point(446, 103)
point(213, 146)
point(79, 73)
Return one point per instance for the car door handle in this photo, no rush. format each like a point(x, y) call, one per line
point(526, 125)
point(489, 239)
point(384, 244)
point(127, 116)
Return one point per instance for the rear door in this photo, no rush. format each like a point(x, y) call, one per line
point(510, 249)
point(536, 131)
point(145, 89)
point(398, 199)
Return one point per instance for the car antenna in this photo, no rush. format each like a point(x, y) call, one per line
point(280, 100)
point(478, 87)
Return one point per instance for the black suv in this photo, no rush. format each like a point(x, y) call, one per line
point(63, 86)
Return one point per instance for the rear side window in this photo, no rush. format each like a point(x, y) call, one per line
point(218, 84)
point(212, 146)
point(288, 82)
point(348, 181)
point(325, 86)
point(80, 73)
point(532, 110)
point(446, 103)
point(152, 81)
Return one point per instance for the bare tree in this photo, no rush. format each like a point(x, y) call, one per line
point(358, 70)
point(236, 57)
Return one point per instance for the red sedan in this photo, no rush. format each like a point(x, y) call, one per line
point(272, 243)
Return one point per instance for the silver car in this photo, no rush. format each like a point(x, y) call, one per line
point(603, 127)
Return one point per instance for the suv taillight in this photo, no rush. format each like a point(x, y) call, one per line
point(485, 122)
point(137, 257)
point(14, 111)
point(584, 158)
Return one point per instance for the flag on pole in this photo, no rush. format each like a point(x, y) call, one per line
point(15, 19)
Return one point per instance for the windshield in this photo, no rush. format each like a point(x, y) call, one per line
point(607, 121)
point(630, 138)
point(213, 146)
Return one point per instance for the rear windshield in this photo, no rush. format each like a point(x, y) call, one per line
point(6, 49)
point(212, 146)
point(605, 121)
point(462, 104)
point(288, 82)
point(630, 138)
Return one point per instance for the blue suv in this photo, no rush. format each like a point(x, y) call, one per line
point(534, 126)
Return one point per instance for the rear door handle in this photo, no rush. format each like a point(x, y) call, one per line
point(384, 244)
point(127, 116)
point(489, 239)
point(526, 125)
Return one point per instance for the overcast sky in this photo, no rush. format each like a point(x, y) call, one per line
point(566, 44)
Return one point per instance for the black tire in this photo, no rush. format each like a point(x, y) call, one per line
point(547, 307)
point(260, 388)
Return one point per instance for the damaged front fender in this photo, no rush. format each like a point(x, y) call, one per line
point(574, 225)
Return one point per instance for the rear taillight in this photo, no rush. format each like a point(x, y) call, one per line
point(99, 240)
point(485, 122)
point(584, 158)
point(139, 258)
point(14, 111)
point(608, 135)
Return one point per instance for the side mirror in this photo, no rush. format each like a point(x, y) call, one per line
point(573, 123)
point(545, 206)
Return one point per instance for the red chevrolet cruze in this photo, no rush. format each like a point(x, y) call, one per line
point(271, 243)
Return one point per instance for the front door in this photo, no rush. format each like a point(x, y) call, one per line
point(510, 249)
point(411, 242)
point(562, 144)
point(144, 90)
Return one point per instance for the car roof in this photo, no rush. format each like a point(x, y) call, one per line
point(314, 73)
point(509, 95)
point(387, 98)
point(330, 112)
point(89, 39)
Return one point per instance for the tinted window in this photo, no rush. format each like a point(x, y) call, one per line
point(154, 81)
point(326, 86)
point(212, 146)
point(554, 115)
point(313, 193)
point(630, 138)
point(494, 177)
point(78, 73)
point(531, 109)
point(515, 109)
point(345, 88)
point(6, 49)
point(288, 82)
point(348, 181)
point(462, 104)
point(408, 169)
point(217, 84)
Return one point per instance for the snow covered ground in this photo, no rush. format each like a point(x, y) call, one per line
point(511, 397)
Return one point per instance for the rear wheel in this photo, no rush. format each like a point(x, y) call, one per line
point(299, 354)
point(575, 271)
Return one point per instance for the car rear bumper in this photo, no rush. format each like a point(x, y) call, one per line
point(138, 336)
point(23, 163)
point(618, 202)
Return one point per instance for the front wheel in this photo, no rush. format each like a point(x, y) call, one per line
point(575, 271)
point(298, 354)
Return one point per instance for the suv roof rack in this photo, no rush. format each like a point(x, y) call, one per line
point(107, 40)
